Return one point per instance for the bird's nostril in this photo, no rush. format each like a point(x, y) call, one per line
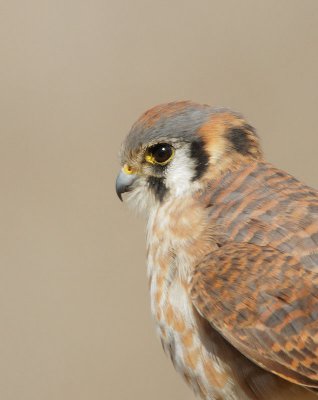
point(127, 169)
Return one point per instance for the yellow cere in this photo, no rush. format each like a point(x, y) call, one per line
point(127, 170)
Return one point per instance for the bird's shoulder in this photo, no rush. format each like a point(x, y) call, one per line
point(265, 206)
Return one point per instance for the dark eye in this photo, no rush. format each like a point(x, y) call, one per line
point(160, 153)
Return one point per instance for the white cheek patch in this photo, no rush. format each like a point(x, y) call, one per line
point(180, 173)
point(140, 198)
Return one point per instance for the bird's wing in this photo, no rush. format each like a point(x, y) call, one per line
point(265, 304)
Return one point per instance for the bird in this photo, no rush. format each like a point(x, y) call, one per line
point(232, 253)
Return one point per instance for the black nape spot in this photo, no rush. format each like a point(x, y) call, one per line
point(240, 139)
point(158, 187)
point(200, 156)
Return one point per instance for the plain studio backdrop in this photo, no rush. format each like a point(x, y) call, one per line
point(75, 319)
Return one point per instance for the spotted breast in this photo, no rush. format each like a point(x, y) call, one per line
point(209, 363)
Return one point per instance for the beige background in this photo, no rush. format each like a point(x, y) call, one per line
point(74, 75)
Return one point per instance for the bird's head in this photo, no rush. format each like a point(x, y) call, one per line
point(176, 148)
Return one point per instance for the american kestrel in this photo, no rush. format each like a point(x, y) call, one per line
point(232, 254)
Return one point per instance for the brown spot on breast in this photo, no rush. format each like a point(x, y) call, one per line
point(158, 296)
point(169, 314)
point(174, 320)
point(163, 263)
point(187, 338)
point(217, 379)
point(159, 281)
point(179, 324)
point(191, 358)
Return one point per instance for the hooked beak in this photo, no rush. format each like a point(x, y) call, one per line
point(123, 183)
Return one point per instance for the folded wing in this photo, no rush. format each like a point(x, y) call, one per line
point(265, 304)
